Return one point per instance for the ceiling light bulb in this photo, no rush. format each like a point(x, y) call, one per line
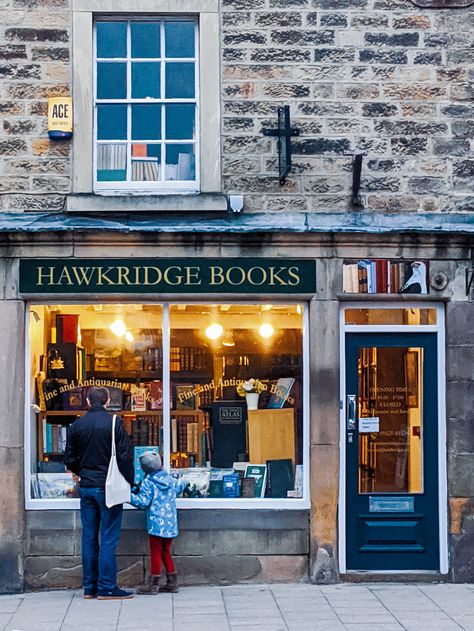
point(214, 331)
point(299, 310)
point(129, 336)
point(266, 330)
point(118, 327)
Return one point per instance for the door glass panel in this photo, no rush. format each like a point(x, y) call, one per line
point(408, 316)
point(390, 406)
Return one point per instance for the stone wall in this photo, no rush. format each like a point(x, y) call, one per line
point(460, 419)
point(218, 546)
point(34, 64)
point(379, 76)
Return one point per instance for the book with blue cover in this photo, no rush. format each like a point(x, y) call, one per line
point(137, 452)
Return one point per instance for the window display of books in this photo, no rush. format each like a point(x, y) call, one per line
point(53, 485)
point(384, 276)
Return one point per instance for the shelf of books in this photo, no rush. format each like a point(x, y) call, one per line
point(385, 276)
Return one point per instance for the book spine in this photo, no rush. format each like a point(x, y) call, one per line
point(174, 435)
point(189, 438)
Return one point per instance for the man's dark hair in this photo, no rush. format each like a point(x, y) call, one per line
point(97, 396)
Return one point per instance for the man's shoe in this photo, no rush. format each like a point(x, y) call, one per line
point(89, 594)
point(114, 594)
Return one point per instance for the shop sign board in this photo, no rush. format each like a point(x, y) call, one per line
point(168, 276)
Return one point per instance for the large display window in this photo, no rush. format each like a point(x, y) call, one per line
point(218, 389)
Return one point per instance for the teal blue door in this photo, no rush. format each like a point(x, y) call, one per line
point(391, 452)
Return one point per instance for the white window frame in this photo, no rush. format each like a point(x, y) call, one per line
point(191, 186)
point(439, 329)
point(256, 503)
point(208, 120)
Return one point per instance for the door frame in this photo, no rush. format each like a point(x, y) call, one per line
point(439, 329)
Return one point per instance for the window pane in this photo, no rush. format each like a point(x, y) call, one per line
point(146, 122)
point(223, 443)
point(180, 162)
point(390, 389)
point(112, 162)
point(111, 122)
point(180, 81)
point(111, 81)
point(180, 121)
point(390, 316)
point(145, 39)
point(119, 346)
point(179, 37)
point(146, 162)
point(145, 80)
point(111, 39)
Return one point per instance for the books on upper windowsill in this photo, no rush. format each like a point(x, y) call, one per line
point(385, 276)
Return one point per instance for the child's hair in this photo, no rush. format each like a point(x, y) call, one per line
point(150, 462)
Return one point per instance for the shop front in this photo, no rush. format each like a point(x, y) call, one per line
point(309, 418)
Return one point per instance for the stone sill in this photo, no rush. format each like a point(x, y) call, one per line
point(204, 202)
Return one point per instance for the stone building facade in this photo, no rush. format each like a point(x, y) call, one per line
point(382, 77)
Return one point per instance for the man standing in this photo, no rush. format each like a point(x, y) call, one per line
point(88, 451)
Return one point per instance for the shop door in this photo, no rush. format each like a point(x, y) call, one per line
point(391, 452)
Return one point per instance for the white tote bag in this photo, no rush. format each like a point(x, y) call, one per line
point(117, 489)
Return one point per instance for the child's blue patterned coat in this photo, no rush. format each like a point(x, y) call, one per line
point(157, 496)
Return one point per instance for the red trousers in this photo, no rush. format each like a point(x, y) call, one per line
point(160, 550)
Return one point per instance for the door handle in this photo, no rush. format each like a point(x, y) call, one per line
point(351, 412)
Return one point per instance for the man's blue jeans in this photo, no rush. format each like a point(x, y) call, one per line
point(100, 536)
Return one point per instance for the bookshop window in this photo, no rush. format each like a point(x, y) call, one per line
point(226, 416)
point(146, 104)
point(237, 413)
point(74, 347)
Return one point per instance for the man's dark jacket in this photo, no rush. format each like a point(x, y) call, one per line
point(89, 446)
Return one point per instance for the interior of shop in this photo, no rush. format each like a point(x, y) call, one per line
point(233, 424)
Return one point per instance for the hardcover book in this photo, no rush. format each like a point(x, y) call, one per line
point(229, 431)
point(259, 473)
point(280, 477)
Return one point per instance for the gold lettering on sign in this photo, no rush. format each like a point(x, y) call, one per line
point(263, 275)
point(65, 274)
point(217, 275)
point(146, 277)
point(228, 276)
point(83, 274)
point(192, 273)
point(166, 276)
point(294, 273)
point(49, 275)
point(101, 275)
point(274, 276)
point(122, 276)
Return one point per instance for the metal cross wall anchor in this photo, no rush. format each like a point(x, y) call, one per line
point(284, 132)
point(356, 174)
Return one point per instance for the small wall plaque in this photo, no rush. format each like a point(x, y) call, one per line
point(391, 504)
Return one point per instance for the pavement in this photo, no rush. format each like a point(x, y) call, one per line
point(278, 607)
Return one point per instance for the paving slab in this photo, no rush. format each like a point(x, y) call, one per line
point(283, 607)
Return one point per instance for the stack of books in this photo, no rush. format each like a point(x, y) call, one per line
point(382, 276)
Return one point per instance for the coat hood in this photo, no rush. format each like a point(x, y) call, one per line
point(161, 479)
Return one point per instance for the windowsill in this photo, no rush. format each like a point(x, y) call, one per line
point(188, 503)
point(98, 203)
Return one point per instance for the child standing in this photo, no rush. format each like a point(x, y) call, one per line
point(157, 495)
